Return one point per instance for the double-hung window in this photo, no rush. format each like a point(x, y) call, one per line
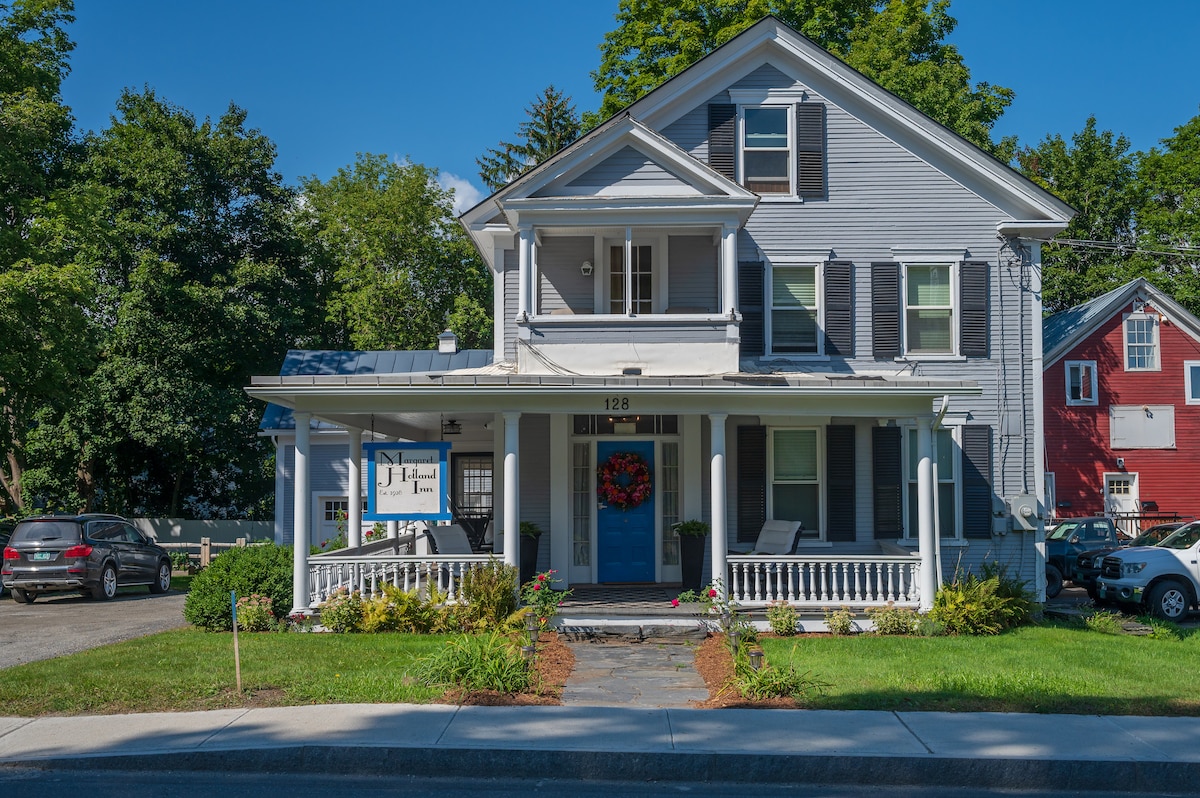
point(795, 316)
point(1191, 381)
point(767, 149)
point(945, 453)
point(1081, 382)
point(929, 309)
point(795, 493)
point(1141, 342)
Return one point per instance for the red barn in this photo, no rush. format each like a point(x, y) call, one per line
point(1122, 405)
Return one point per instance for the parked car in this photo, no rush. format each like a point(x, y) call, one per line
point(1070, 538)
point(1163, 579)
point(93, 554)
point(1087, 564)
point(6, 529)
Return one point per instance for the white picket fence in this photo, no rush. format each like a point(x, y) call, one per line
point(368, 574)
point(828, 581)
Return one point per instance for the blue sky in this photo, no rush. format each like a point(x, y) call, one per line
point(440, 82)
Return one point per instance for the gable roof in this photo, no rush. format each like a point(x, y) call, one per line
point(324, 363)
point(1062, 331)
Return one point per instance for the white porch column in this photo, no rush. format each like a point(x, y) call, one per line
point(925, 539)
point(354, 489)
point(512, 490)
point(300, 517)
point(524, 264)
point(720, 529)
point(728, 267)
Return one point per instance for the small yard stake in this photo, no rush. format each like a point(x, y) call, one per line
point(237, 657)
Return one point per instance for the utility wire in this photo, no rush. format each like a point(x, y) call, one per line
point(1113, 246)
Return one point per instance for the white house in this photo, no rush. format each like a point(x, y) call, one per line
point(777, 288)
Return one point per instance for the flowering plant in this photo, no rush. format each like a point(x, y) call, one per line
point(541, 598)
point(254, 613)
point(623, 481)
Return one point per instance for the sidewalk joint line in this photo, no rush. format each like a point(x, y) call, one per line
point(916, 736)
point(217, 731)
point(27, 721)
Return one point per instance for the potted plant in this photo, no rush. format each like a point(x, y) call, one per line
point(530, 532)
point(692, 535)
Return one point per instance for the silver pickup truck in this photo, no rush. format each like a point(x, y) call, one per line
point(1164, 579)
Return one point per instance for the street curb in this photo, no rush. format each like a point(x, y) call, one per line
point(628, 766)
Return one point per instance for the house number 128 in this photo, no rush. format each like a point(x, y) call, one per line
point(617, 403)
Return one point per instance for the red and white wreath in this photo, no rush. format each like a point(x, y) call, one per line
point(623, 481)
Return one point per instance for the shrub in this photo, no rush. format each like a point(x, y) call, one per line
point(180, 561)
point(477, 662)
point(342, 611)
point(893, 620)
point(981, 606)
point(781, 617)
point(840, 622)
point(266, 570)
point(772, 681)
point(1161, 629)
point(399, 610)
point(1104, 622)
point(254, 613)
point(488, 597)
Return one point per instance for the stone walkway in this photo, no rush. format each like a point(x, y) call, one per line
point(648, 675)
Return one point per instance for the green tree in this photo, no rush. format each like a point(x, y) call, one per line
point(552, 124)
point(1097, 175)
point(191, 241)
point(401, 263)
point(899, 43)
point(1168, 220)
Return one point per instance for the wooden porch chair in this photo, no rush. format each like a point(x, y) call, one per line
point(775, 537)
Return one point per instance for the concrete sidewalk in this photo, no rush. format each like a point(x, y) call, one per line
point(983, 750)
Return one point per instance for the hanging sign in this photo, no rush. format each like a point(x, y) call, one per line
point(407, 481)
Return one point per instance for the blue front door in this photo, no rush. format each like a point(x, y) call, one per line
point(625, 537)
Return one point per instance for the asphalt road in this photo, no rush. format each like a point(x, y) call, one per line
point(67, 623)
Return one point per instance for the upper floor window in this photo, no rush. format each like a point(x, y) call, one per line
point(928, 309)
point(1141, 342)
point(767, 150)
point(638, 276)
point(795, 319)
point(1191, 381)
point(1081, 382)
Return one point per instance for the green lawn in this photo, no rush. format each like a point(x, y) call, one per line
point(1055, 668)
point(188, 669)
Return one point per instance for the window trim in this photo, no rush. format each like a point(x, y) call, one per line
point(1190, 386)
point(1094, 401)
point(808, 535)
point(955, 309)
point(955, 430)
point(741, 146)
point(769, 307)
point(1155, 343)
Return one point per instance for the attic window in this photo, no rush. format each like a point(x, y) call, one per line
point(1141, 342)
point(766, 150)
point(773, 143)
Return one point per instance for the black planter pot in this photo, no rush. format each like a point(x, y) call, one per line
point(529, 556)
point(691, 560)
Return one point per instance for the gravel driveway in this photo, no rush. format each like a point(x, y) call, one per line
point(67, 623)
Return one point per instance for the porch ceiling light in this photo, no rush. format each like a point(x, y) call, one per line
point(451, 427)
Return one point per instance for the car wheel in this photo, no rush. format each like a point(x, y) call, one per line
point(1169, 601)
point(163, 582)
point(106, 588)
point(1054, 581)
point(23, 597)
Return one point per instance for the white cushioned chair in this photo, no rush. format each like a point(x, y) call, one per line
point(450, 539)
point(776, 537)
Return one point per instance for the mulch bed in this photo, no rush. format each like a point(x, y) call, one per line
point(714, 663)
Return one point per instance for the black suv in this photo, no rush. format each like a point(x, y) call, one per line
point(93, 554)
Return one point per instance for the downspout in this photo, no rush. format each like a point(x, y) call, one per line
point(937, 510)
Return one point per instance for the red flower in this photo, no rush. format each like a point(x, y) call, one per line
point(712, 592)
point(537, 587)
point(674, 602)
point(541, 577)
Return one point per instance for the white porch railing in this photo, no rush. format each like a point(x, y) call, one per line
point(368, 574)
point(830, 581)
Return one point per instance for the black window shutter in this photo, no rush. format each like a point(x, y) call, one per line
point(973, 329)
point(839, 308)
point(839, 482)
point(887, 478)
point(810, 150)
point(977, 481)
point(750, 303)
point(722, 123)
point(885, 310)
point(751, 482)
